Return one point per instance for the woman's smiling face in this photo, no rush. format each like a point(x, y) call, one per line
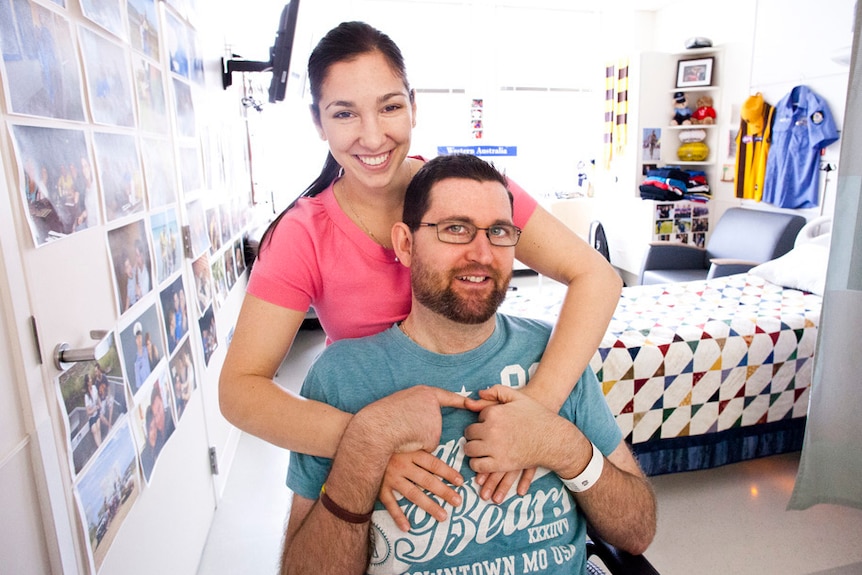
point(366, 116)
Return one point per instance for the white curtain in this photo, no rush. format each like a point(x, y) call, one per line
point(830, 470)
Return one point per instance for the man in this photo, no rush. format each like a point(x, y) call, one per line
point(148, 453)
point(142, 270)
point(142, 360)
point(162, 420)
point(132, 296)
point(458, 241)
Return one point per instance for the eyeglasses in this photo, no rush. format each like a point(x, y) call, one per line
point(458, 232)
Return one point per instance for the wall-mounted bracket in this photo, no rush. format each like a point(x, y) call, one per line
point(237, 64)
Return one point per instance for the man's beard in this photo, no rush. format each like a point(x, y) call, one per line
point(435, 291)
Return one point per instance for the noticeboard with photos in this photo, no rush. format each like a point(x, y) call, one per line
point(685, 222)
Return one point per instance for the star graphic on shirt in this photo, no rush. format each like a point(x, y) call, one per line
point(464, 392)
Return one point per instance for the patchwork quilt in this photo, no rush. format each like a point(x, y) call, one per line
point(695, 358)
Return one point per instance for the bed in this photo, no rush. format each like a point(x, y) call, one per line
point(703, 373)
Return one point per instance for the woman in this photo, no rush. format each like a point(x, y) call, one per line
point(93, 407)
point(153, 356)
point(338, 237)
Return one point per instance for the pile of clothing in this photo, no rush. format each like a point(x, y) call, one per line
point(671, 184)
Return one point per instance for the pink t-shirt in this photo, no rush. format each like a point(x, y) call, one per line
point(318, 257)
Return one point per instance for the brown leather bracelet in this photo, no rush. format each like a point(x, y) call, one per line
point(341, 512)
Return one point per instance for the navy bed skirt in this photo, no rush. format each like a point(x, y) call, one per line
point(715, 449)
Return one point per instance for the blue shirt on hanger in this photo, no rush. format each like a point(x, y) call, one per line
point(803, 126)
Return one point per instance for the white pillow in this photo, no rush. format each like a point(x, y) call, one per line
point(818, 230)
point(803, 267)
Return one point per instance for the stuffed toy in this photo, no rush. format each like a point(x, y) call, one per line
point(682, 113)
point(704, 113)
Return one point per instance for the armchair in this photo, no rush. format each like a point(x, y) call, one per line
point(742, 239)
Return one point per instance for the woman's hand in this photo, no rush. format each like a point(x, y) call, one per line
point(411, 474)
point(495, 486)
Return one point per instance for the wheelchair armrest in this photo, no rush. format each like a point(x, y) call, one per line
point(616, 560)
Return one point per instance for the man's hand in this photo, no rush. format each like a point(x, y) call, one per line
point(491, 444)
point(408, 420)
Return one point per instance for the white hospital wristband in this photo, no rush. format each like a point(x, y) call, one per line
point(588, 476)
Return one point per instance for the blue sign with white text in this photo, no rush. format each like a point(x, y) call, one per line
point(478, 150)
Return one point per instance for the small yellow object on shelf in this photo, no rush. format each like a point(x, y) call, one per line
point(693, 152)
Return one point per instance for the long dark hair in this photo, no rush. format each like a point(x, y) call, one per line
point(345, 42)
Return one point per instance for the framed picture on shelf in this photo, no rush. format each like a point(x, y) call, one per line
point(694, 73)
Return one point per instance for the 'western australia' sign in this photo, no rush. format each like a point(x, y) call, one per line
point(478, 150)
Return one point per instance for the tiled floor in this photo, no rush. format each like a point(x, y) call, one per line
point(730, 520)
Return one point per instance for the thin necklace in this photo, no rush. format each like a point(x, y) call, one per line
point(357, 216)
point(404, 331)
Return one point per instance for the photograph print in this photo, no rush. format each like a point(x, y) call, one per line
point(209, 334)
point(150, 92)
point(131, 258)
point(225, 225)
point(107, 490)
point(167, 243)
point(93, 397)
point(196, 61)
point(229, 268)
point(651, 144)
point(191, 174)
point(121, 175)
point(239, 257)
point(184, 109)
point(219, 281)
point(177, 40)
point(41, 74)
point(107, 71)
point(175, 312)
point(182, 375)
point(694, 73)
point(197, 228)
point(159, 171)
point(57, 182)
point(203, 282)
point(144, 27)
point(142, 343)
point(213, 229)
point(106, 13)
point(154, 420)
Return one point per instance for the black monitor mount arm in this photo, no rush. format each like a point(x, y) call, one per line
point(238, 64)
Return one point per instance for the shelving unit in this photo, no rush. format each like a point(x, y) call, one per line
point(652, 84)
point(671, 144)
point(683, 221)
point(656, 109)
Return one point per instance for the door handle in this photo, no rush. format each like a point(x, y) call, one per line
point(65, 356)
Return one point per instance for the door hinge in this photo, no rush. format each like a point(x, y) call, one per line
point(213, 461)
point(36, 339)
point(187, 242)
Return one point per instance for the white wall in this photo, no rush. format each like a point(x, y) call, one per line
point(66, 286)
point(785, 49)
point(37, 533)
point(546, 53)
point(767, 48)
